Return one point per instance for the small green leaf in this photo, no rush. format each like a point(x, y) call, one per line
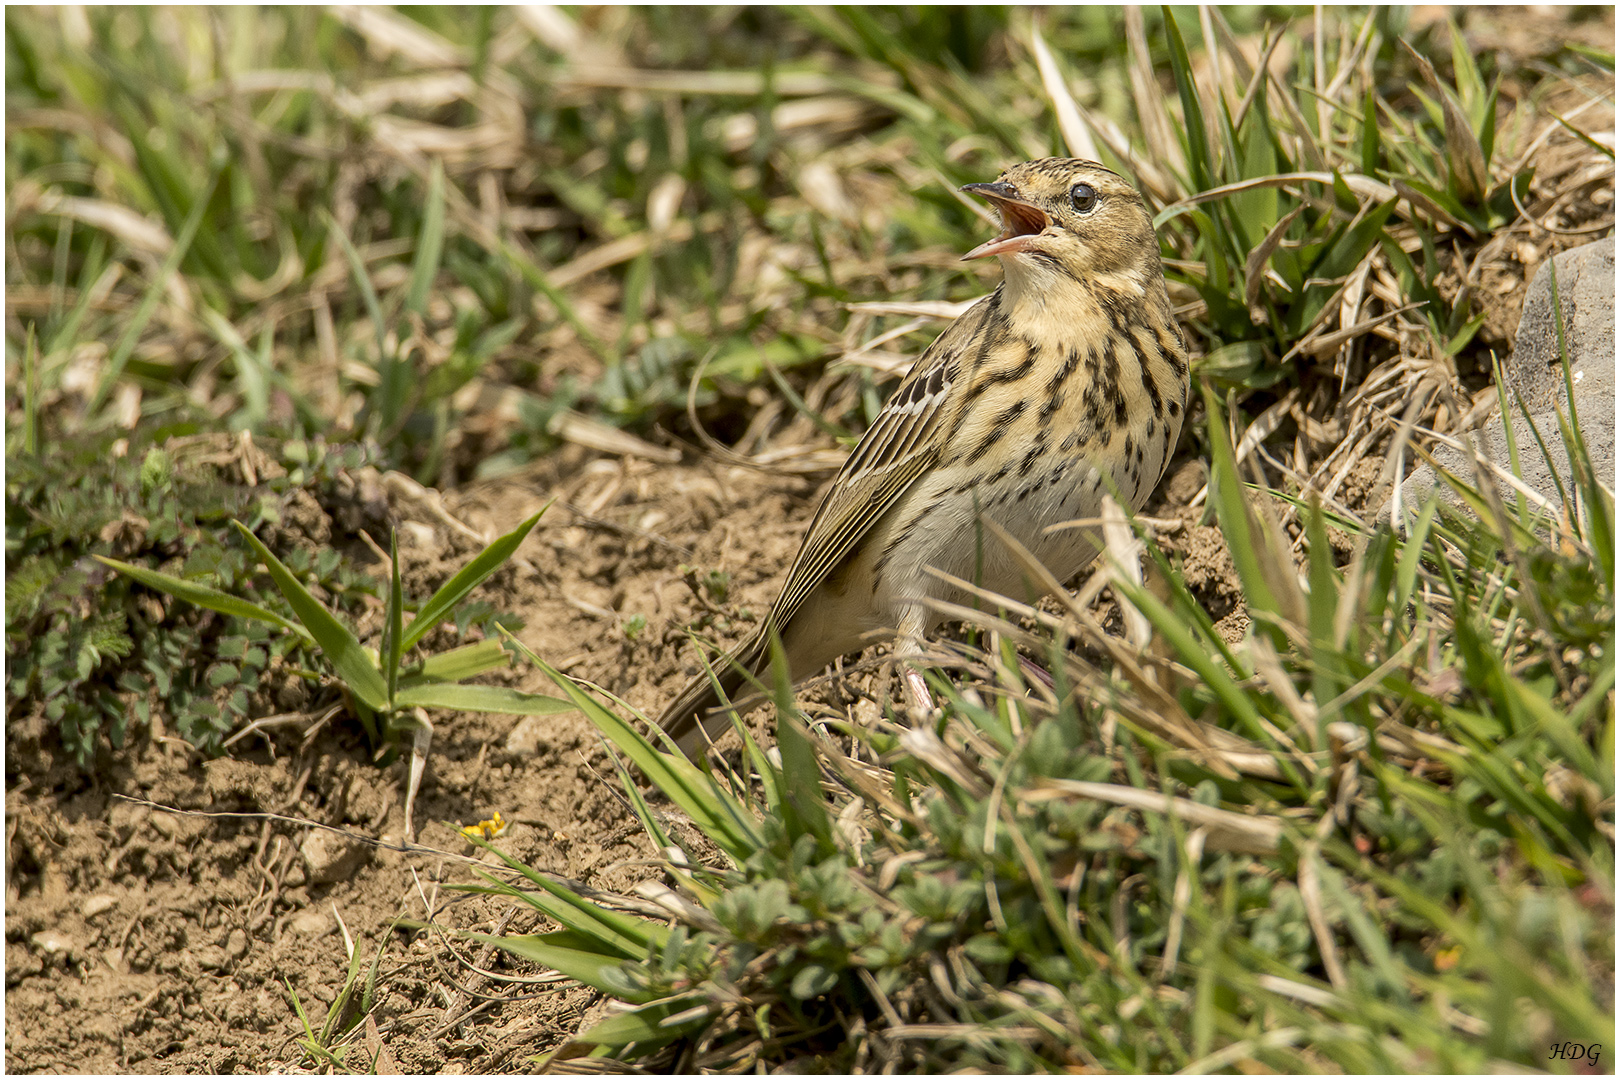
point(811, 981)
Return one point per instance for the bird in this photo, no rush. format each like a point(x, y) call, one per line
point(1065, 384)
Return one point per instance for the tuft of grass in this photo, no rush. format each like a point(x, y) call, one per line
point(387, 695)
point(330, 1046)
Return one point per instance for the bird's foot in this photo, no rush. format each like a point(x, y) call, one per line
point(917, 691)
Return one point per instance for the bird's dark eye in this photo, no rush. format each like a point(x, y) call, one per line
point(1083, 197)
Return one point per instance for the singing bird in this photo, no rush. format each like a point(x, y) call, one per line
point(1072, 371)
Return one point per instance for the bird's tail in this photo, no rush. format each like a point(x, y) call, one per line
point(690, 719)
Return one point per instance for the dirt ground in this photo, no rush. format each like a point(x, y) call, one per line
point(143, 940)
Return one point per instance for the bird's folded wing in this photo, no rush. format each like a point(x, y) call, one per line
point(901, 445)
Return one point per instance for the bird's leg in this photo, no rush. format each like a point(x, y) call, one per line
point(917, 690)
point(909, 643)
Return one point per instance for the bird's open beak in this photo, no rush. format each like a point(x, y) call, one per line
point(1020, 220)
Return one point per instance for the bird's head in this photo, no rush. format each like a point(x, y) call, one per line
point(1069, 216)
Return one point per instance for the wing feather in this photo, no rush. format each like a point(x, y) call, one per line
point(901, 445)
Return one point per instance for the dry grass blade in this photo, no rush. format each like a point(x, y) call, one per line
point(931, 309)
point(1157, 183)
point(922, 744)
point(1432, 210)
point(1124, 553)
point(725, 83)
point(1158, 711)
point(1152, 110)
point(1244, 834)
point(1349, 58)
point(138, 232)
point(1268, 666)
point(1365, 186)
point(584, 431)
point(1191, 855)
point(1262, 426)
point(389, 32)
point(1318, 345)
point(1257, 78)
point(1075, 133)
point(1310, 891)
point(1304, 142)
point(1255, 266)
point(669, 902)
point(625, 248)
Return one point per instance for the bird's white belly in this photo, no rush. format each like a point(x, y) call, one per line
point(948, 537)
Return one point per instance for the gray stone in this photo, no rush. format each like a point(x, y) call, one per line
point(329, 857)
point(1534, 372)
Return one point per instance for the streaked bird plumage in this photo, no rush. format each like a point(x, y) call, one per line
point(1073, 369)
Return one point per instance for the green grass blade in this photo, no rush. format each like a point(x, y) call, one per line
point(357, 670)
point(1195, 137)
point(1561, 732)
point(712, 810)
point(801, 776)
point(1194, 654)
point(1411, 560)
point(30, 389)
point(492, 699)
point(1369, 137)
point(648, 1027)
point(154, 293)
point(204, 596)
point(1600, 502)
point(468, 578)
point(629, 935)
point(1233, 511)
point(536, 277)
point(393, 644)
point(429, 243)
point(94, 263)
point(594, 969)
point(454, 665)
point(362, 281)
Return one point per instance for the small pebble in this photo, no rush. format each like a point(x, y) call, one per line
point(95, 905)
point(313, 922)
